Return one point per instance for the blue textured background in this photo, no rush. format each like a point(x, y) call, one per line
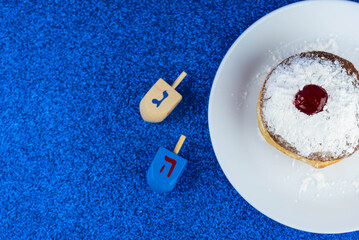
point(73, 148)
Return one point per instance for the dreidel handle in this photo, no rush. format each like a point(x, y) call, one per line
point(179, 80)
point(179, 144)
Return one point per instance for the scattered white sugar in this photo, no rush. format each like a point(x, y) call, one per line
point(304, 185)
point(319, 179)
point(316, 178)
point(355, 183)
point(261, 77)
point(328, 45)
point(334, 130)
point(244, 95)
point(342, 183)
point(316, 184)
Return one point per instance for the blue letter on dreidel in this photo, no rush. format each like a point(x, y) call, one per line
point(165, 170)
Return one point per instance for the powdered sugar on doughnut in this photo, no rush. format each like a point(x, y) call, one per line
point(335, 130)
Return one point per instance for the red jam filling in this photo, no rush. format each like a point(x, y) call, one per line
point(311, 99)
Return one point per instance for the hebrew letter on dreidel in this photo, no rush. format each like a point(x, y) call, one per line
point(173, 164)
point(158, 102)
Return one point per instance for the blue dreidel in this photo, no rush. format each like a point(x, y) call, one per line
point(166, 168)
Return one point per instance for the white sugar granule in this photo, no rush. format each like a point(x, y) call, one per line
point(244, 95)
point(328, 45)
point(316, 178)
point(334, 130)
point(320, 179)
point(355, 183)
point(304, 185)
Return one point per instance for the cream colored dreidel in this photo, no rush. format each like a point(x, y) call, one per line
point(160, 100)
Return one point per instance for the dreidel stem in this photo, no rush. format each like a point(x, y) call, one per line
point(179, 144)
point(179, 80)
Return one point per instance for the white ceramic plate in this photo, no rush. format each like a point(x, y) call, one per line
point(286, 190)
